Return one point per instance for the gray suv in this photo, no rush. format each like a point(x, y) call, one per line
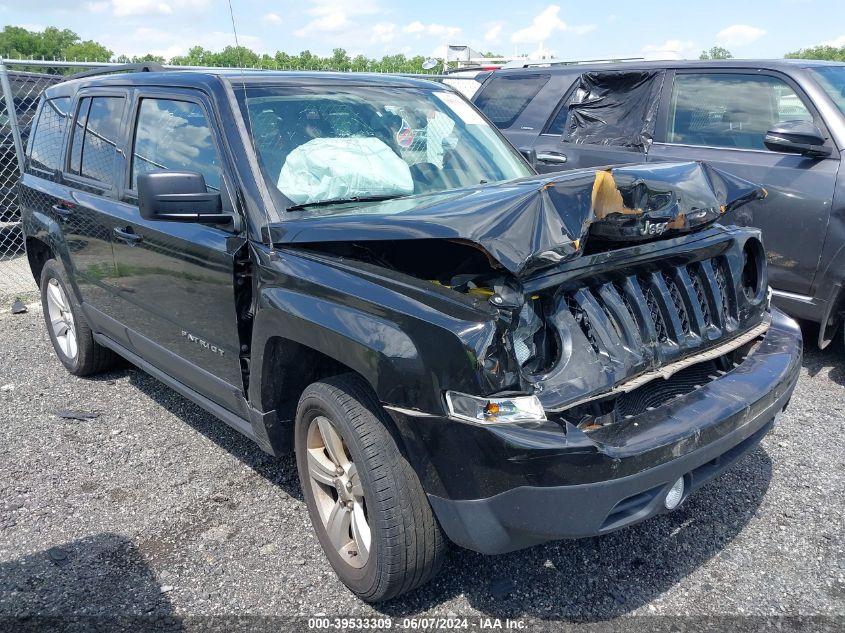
point(780, 123)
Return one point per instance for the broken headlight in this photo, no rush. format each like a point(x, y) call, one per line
point(534, 344)
point(494, 410)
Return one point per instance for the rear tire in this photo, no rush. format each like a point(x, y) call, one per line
point(69, 332)
point(360, 488)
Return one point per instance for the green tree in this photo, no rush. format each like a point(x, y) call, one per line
point(306, 60)
point(235, 57)
point(340, 59)
point(54, 43)
point(360, 63)
point(88, 50)
point(51, 43)
point(829, 53)
point(717, 52)
point(197, 56)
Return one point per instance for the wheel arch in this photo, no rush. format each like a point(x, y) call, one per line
point(38, 252)
point(287, 368)
point(832, 280)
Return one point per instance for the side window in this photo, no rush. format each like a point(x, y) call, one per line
point(730, 110)
point(78, 135)
point(506, 96)
point(46, 148)
point(616, 108)
point(174, 135)
point(95, 136)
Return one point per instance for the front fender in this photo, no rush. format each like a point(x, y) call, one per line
point(409, 343)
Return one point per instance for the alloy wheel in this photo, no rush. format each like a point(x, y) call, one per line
point(61, 319)
point(338, 493)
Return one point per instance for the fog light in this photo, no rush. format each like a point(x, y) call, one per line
point(675, 494)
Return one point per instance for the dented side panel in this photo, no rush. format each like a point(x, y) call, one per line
point(408, 339)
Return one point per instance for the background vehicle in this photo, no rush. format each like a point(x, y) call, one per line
point(780, 123)
point(340, 265)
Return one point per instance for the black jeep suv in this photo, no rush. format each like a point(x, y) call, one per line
point(360, 269)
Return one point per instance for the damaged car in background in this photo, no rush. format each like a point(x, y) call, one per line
point(362, 270)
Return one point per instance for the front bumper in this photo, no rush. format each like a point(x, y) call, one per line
point(498, 489)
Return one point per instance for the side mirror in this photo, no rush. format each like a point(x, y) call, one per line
point(179, 196)
point(530, 155)
point(797, 137)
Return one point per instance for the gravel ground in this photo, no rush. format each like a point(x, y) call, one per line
point(156, 509)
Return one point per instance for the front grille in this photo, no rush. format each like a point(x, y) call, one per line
point(695, 274)
point(678, 302)
point(721, 273)
point(583, 321)
point(654, 311)
point(673, 306)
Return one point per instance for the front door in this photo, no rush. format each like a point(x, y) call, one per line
point(722, 118)
point(177, 280)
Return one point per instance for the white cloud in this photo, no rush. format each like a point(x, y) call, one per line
point(140, 7)
point(333, 16)
point(738, 35)
point(493, 33)
point(438, 30)
point(546, 23)
point(126, 8)
point(670, 49)
point(272, 18)
point(839, 42)
point(97, 7)
point(383, 33)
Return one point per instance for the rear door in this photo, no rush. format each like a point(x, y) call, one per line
point(721, 116)
point(177, 279)
point(606, 118)
point(75, 189)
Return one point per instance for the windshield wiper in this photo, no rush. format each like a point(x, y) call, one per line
point(325, 203)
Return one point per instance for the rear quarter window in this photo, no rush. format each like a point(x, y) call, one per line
point(46, 146)
point(505, 97)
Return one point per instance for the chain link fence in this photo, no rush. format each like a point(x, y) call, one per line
point(21, 89)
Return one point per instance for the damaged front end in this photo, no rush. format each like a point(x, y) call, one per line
point(561, 357)
point(601, 281)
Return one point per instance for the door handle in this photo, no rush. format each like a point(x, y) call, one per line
point(552, 158)
point(128, 235)
point(63, 210)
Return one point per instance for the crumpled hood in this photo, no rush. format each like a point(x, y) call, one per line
point(534, 223)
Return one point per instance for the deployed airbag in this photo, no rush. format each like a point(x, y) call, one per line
point(341, 168)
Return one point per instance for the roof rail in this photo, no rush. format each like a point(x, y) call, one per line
point(528, 63)
point(144, 67)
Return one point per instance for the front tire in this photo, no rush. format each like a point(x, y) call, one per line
point(366, 503)
point(69, 332)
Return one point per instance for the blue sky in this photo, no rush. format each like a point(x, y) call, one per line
point(749, 28)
